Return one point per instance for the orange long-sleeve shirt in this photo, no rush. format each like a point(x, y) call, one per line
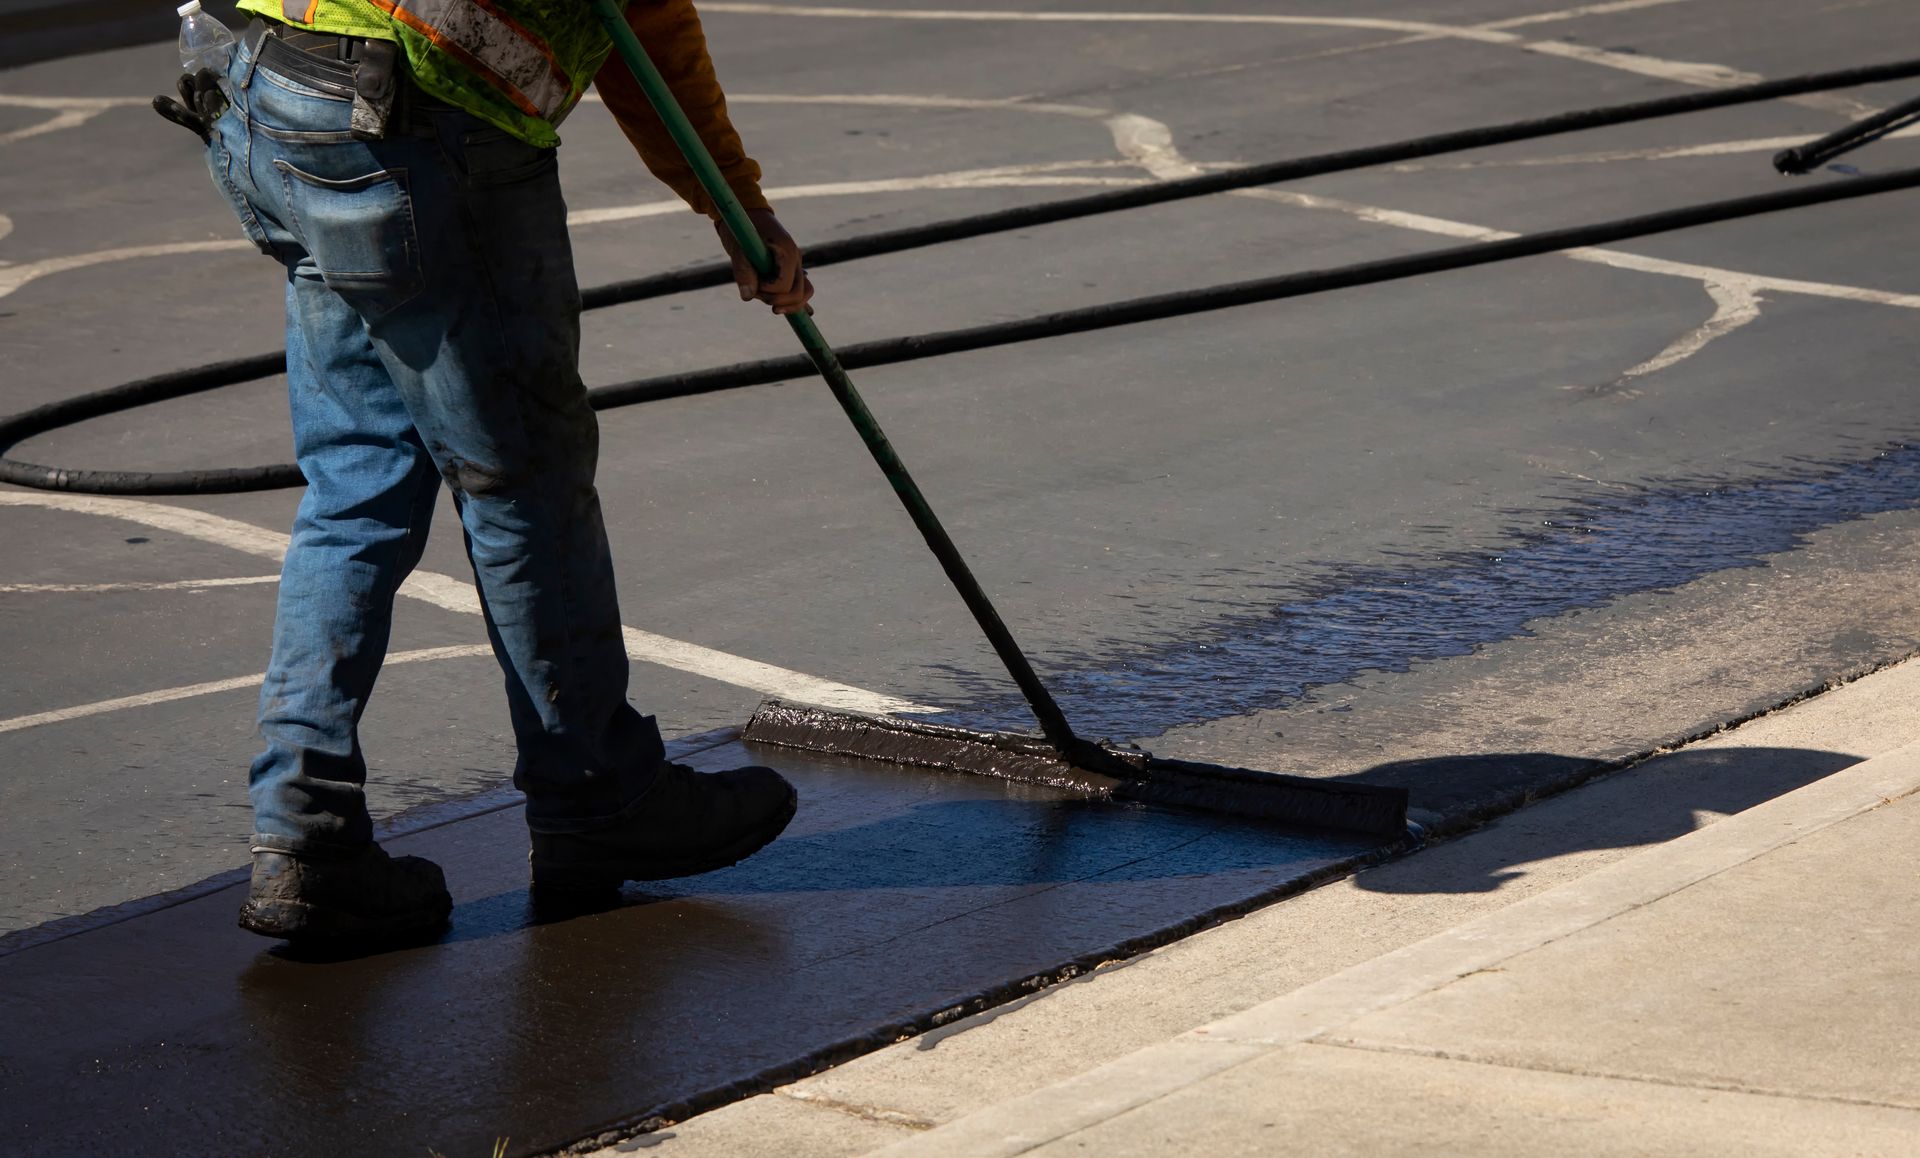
point(670, 32)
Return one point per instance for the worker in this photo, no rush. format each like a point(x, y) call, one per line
point(399, 162)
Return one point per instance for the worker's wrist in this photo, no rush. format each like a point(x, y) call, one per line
point(750, 198)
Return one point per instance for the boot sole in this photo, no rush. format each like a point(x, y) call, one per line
point(612, 872)
point(303, 922)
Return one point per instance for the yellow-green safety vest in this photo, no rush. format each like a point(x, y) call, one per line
point(518, 64)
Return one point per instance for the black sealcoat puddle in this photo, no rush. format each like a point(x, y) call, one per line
point(899, 900)
point(1355, 620)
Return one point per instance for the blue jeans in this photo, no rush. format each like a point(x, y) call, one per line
point(433, 332)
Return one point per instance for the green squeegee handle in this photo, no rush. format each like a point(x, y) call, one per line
point(1052, 722)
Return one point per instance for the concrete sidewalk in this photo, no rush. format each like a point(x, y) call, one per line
point(1744, 987)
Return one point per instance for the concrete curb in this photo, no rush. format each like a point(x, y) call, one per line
point(1028, 1122)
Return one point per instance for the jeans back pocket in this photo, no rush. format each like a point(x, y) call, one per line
point(360, 233)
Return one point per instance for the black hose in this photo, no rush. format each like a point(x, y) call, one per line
point(146, 391)
point(178, 384)
point(1810, 156)
point(1246, 177)
point(888, 351)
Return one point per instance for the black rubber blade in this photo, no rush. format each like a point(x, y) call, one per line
point(1131, 775)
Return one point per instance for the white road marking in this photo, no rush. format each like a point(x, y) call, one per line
point(12, 277)
point(1696, 74)
point(1149, 143)
point(1754, 282)
point(188, 691)
point(1579, 13)
point(1735, 304)
point(1656, 153)
point(1736, 294)
point(1686, 72)
point(1048, 175)
point(458, 595)
point(68, 112)
point(907, 100)
point(1376, 24)
point(1564, 14)
point(96, 588)
point(1008, 177)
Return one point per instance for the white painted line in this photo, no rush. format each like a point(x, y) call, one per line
point(1696, 74)
point(1317, 1011)
point(94, 588)
point(1749, 281)
point(216, 529)
point(894, 100)
point(1686, 72)
point(1038, 176)
point(1657, 153)
point(1149, 143)
point(1007, 177)
point(1560, 16)
point(68, 112)
point(1579, 13)
point(458, 595)
point(1735, 305)
point(12, 277)
point(1736, 294)
point(1044, 175)
point(188, 691)
point(982, 15)
point(67, 119)
point(1705, 274)
point(97, 104)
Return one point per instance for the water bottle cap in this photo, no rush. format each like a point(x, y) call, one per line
point(187, 9)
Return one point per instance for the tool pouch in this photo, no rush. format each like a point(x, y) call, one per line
point(374, 82)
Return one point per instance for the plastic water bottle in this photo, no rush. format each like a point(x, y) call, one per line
point(204, 43)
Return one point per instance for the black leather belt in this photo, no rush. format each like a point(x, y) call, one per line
point(321, 59)
point(370, 73)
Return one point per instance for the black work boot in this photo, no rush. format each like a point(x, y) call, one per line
point(686, 822)
point(368, 896)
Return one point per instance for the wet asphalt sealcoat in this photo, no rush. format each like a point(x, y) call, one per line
point(895, 903)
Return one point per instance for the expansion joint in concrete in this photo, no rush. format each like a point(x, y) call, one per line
point(1729, 1087)
point(856, 1110)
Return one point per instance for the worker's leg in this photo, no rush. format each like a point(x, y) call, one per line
point(448, 241)
point(486, 357)
point(360, 528)
point(363, 519)
point(359, 531)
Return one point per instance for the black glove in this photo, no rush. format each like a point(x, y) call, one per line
point(201, 103)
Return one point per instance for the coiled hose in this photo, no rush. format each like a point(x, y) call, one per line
point(180, 383)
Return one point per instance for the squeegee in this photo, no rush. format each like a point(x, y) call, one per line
point(1058, 756)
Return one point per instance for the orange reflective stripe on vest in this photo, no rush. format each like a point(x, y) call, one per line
point(492, 44)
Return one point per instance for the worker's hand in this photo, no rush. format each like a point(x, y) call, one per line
point(201, 103)
point(788, 290)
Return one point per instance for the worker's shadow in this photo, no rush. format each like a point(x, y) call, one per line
point(1655, 801)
